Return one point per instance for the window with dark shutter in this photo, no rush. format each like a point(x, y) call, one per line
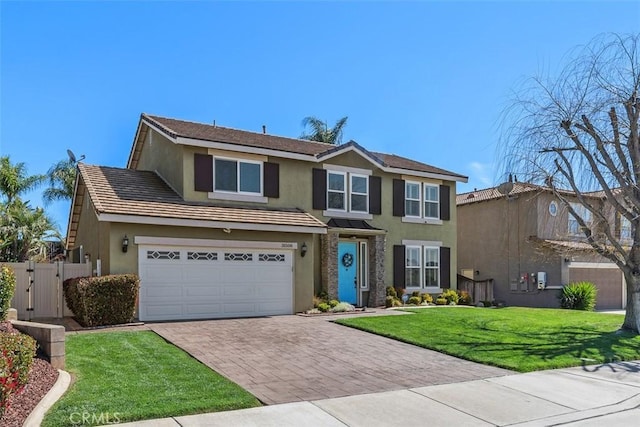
point(399, 266)
point(319, 183)
point(203, 172)
point(398, 197)
point(271, 179)
point(375, 195)
point(445, 267)
point(445, 204)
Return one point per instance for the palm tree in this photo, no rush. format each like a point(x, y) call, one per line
point(62, 177)
point(320, 132)
point(24, 232)
point(14, 180)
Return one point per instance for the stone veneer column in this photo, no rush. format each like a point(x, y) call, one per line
point(377, 288)
point(329, 263)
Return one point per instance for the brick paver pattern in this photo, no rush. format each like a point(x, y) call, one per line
point(292, 358)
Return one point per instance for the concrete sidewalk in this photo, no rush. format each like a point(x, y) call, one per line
point(588, 396)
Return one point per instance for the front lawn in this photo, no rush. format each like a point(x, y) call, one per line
point(521, 339)
point(128, 376)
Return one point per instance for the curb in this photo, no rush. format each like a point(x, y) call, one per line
point(59, 388)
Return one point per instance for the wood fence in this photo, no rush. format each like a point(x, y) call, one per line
point(480, 290)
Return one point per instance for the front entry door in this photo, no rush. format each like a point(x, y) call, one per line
point(347, 272)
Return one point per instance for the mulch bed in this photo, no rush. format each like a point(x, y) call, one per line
point(42, 377)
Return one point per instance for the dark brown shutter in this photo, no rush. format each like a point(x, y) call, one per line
point(398, 197)
point(319, 189)
point(203, 172)
point(399, 266)
point(445, 203)
point(375, 195)
point(445, 267)
point(271, 179)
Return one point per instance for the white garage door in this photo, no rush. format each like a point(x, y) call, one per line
point(204, 283)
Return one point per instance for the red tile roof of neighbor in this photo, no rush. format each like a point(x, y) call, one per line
point(144, 193)
point(209, 132)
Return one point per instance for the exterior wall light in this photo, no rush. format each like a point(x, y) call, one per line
point(125, 243)
point(303, 249)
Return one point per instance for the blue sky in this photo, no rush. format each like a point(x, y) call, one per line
point(426, 80)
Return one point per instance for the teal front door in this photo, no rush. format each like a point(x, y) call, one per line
point(347, 272)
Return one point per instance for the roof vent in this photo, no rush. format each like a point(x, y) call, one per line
point(471, 196)
point(264, 129)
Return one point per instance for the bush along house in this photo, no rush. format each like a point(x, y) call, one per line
point(521, 236)
point(220, 222)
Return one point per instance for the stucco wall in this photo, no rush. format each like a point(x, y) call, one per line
point(163, 156)
point(304, 268)
point(493, 240)
point(93, 236)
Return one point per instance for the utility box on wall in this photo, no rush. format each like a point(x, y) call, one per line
point(542, 280)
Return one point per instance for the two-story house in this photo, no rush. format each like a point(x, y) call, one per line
point(530, 245)
point(220, 222)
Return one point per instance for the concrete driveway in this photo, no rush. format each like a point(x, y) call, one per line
point(292, 358)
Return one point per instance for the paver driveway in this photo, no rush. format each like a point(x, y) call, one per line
point(291, 358)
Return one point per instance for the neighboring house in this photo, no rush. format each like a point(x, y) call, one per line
point(513, 238)
point(221, 222)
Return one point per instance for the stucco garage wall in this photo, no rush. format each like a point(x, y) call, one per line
point(303, 267)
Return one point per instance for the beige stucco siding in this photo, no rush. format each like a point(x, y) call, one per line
point(93, 236)
point(304, 268)
point(163, 156)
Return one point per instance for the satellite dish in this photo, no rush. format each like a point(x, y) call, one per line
point(72, 157)
point(505, 188)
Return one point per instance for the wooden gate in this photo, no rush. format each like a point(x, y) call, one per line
point(39, 288)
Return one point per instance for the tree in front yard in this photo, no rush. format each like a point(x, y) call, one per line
point(579, 131)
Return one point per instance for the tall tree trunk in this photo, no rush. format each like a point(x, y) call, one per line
point(632, 315)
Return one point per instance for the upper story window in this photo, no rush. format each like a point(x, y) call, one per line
point(573, 226)
point(336, 190)
point(237, 176)
point(421, 201)
point(431, 201)
point(625, 229)
point(347, 192)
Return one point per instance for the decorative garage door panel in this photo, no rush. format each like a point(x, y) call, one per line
point(204, 283)
point(608, 281)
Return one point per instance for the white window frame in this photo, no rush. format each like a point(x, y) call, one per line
point(419, 199)
point(423, 247)
point(626, 230)
point(426, 186)
point(364, 266)
point(239, 177)
point(425, 250)
point(418, 267)
point(352, 193)
point(583, 212)
point(344, 191)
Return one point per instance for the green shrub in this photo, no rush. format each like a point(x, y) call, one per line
point(427, 298)
point(323, 295)
point(391, 292)
point(441, 301)
point(16, 357)
point(487, 303)
point(579, 296)
point(415, 300)
point(104, 300)
point(333, 303)
point(317, 300)
point(415, 293)
point(7, 289)
point(451, 296)
point(464, 298)
point(388, 301)
point(324, 307)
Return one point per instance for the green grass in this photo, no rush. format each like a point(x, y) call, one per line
point(128, 376)
point(521, 339)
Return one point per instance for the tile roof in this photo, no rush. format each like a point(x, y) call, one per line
point(144, 193)
point(493, 193)
point(209, 132)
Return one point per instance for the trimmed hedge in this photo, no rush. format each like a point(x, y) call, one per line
point(104, 300)
point(16, 357)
